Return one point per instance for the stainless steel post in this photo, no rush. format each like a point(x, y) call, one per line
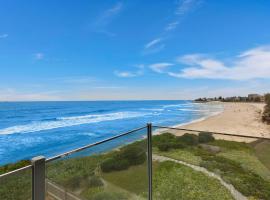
point(38, 178)
point(149, 152)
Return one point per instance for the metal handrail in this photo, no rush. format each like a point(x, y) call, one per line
point(16, 171)
point(92, 145)
point(214, 133)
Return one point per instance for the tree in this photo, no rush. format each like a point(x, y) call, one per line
point(266, 113)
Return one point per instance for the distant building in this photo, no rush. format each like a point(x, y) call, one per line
point(256, 97)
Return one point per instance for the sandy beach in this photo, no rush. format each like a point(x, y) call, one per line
point(237, 118)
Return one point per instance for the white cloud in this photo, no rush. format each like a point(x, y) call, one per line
point(171, 26)
point(153, 43)
point(185, 6)
point(250, 64)
point(129, 74)
point(160, 67)
point(182, 8)
point(114, 10)
point(3, 36)
point(108, 14)
point(106, 17)
point(39, 56)
point(125, 74)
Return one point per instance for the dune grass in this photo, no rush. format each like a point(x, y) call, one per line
point(174, 181)
point(236, 162)
point(240, 164)
point(171, 181)
point(262, 151)
point(16, 186)
point(185, 155)
point(248, 161)
point(133, 179)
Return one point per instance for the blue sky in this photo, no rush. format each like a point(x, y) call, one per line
point(133, 49)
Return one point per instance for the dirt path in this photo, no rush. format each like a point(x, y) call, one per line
point(235, 193)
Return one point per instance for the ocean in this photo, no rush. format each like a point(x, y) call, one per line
point(28, 129)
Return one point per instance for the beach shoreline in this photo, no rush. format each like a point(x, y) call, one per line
point(236, 118)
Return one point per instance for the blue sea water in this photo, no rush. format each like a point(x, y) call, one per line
point(28, 129)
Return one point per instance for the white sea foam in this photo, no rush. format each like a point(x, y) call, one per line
point(153, 109)
point(173, 105)
point(68, 121)
point(189, 104)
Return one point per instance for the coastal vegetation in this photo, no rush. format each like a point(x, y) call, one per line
point(266, 113)
point(122, 173)
point(12, 166)
point(235, 162)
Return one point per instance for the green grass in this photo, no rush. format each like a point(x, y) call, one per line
point(185, 155)
point(248, 161)
point(12, 166)
point(74, 172)
point(16, 187)
point(262, 151)
point(100, 193)
point(243, 165)
point(237, 164)
point(232, 145)
point(173, 181)
point(133, 179)
point(245, 181)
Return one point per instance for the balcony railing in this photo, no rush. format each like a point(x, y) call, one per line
point(186, 164)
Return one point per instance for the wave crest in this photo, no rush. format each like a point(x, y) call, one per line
point(62, 122)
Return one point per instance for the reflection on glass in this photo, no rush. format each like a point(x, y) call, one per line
point(113, 170)
point(17, 186)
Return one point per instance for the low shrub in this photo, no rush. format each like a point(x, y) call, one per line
point(165, 137)
point(95, 181)
point(247, 182)
point(10, 167)
point(266, 113)
point(133, 154)
point(114, 164)
point(188, 139)
point(205, 137)
point(163, 146)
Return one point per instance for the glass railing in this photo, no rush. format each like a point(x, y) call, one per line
point(17, 185)
point(186, 164)
point(190, 164)
point(115, 169)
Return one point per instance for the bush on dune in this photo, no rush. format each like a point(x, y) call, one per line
point(133, 154)
point(165, 137)
point(168, 141)
point(205, 137)
point(188, 139)
point(13, 166)
point(245, 181)
point(266, 113)
point(114, 164)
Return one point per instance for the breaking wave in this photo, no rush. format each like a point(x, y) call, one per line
point(62, 122)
